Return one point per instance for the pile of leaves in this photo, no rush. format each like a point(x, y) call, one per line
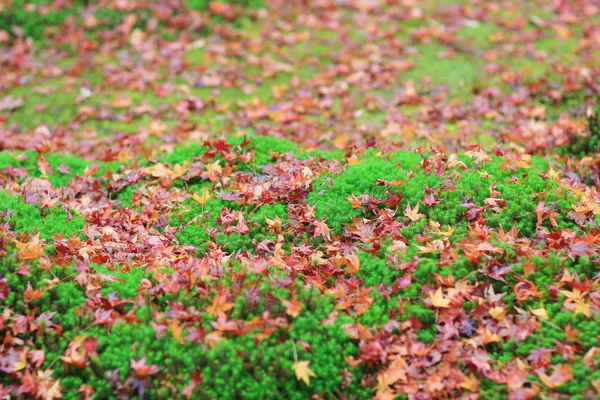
point(250, 211)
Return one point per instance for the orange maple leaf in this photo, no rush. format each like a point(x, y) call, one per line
point(561, 375)
point(293, 307)
point(30, 250)
point(220, 305)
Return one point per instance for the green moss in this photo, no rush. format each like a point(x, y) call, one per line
point(237, 367)
point(196, 232)
point(203, 4)
point(331, 200)
point(521, 190)
point(28, 218)
point(460, 73)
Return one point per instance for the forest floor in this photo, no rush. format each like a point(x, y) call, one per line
point(336, 199)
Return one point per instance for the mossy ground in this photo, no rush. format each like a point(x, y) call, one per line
point(343, 189)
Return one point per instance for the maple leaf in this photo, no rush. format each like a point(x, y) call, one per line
point(293, 307)
point(179, 170)
point(353, 263)
point(30, 250)
point(580, 306)
point(273, 224)
point(31, 294)
point(202, 198)
point(449, 232)
point(413, 213)
point(438, 300)
point(498, 313)
point(124, 155)
point(86, 391)
point(73, 356)
point(214, 171)
point(352, 160)
point(176, 331)
point(392, 374)
point(303, 372)
point(428, 248)
point(355, 202)
point(470, 383)
point(142, 369)
point(222, 324)
point(22, 363)
point(574, 295)
point(49, 388)
point(220, 305)
point(561, 375)
point(540, 313)
point(158, 171)
point(541, 211)
point(241, 227)
point(157, 126)
point(321, 229)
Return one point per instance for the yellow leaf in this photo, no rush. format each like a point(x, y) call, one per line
point(523, 164)
point(581, 307)
point(540, 313)
point(489, 337)
point(438, 300)
point(274, 223)
point(204, 197)
point(303, 372)
point(17, 366)
point(158, 171)
point(352, 160)
point(555, 176)
point(576, 294)
point(124, 155)
point(448, 232)
point(214, 171)
point(498, 313)
point(471, 383)
point(179, 170)
point(176, 331)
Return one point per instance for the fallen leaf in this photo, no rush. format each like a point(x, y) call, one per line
point(30, 250)
point(540, 313)
point(303, 372)
point(122, 101)
point(560, 375)
point(413, 213)
point(202, 198)
point(438, 300)
point(176, 331)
